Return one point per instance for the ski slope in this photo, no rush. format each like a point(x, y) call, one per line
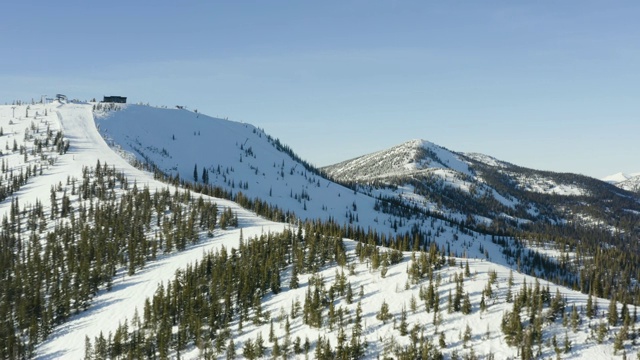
point(110, 308)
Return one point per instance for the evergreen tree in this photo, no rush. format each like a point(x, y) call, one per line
point(466, 305)
point(384, 313)
point(618, 343)
point(442, 341)
point(231, 350)
point(403, 322)
point(259, 347)
point(590, 312)
point(249, 350)
point(483, 304)
point(612, 317)
point(294, 283)
point(601, 332)
point(467, 335)
point(575, 318)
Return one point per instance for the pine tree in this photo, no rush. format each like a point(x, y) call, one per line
point(357, 346)
point(272, 335)
point(259, 347)
point(349, 294)
point(276, 351)
point(590, 312)
point(249, 350)
point(575, 318)
point(413, 304)
point(457, 300)
point(483, 304)
point(403, 322)
point(512, 327)
point(88, 349)
point(466, 305)
point(384, 313)
point(612, 317)
point(618, 343)
point(205, 175)
point(341, 351)
point(567, 343)
point(231, 350)
point(467, 335)
point(294, 283)
point(297, 348)
point(601, 332)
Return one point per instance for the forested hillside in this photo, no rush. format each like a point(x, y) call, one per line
point(214, 240)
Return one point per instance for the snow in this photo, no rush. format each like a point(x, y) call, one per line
point(486, 159)
point(620, 177)
point(406, 158)
point(182, 140)
point(111, 308)
point(616, 178)
point(544, 185)
point(629, 182)
point(208, 142)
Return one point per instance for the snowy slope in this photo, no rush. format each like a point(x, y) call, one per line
point(149, 133)
point(486, 159)
point(111, 308)
point(242, 158)
point(87, 147)
point(115, 306)
point(237, 156)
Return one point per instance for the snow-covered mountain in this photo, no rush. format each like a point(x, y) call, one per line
point(629, 182)
point(480, 186)
point(416, 156)
point(51, 184)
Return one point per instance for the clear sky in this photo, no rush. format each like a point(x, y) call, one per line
point(551, 85)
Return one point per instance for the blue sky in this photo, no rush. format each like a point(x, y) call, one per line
point(545, 84)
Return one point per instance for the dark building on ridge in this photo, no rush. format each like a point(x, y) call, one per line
point(115, 99)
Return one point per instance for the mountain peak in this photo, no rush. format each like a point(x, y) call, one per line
point(411, 156)
point(630, 182)
point(616, 178)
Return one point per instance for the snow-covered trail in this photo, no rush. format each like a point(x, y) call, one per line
point(88, 146)
point(110, 308)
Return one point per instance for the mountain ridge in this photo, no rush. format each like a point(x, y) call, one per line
point(629, 182)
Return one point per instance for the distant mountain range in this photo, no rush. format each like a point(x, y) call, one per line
point(630, 182)
point(480, 187)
